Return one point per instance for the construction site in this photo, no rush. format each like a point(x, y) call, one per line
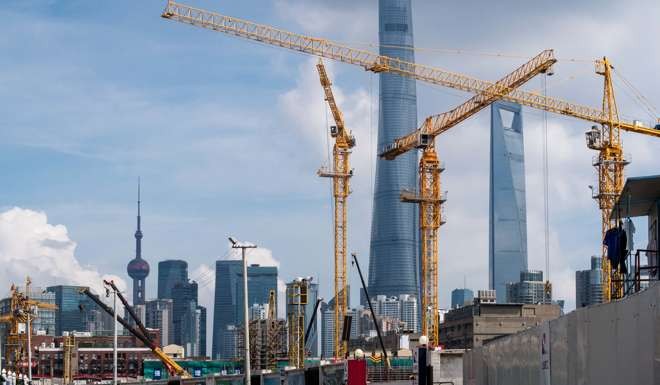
point(515, 331)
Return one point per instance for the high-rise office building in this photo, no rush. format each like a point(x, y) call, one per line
point(508, 213)
point(158, 315)
point(228, 301)
point(588, 285)
point(77, 312)
point(328, 328)
point(173, 283)
point(138, 268)
point(530, 289)
point(170, 273)
point(313, 338)
point(461, 297)
point(409, 313)
point(184, 301)
point(393, 255)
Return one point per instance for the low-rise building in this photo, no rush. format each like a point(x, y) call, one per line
point(471, 326)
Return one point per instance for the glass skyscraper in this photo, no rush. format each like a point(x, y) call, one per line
point(393, 254)
point(77, 312)
point(170, 273)
point(228, 301)
point(588, 285)
point(461, 297)
point(508, 213)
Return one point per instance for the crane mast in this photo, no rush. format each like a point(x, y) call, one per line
point(340, 173)
point(606, 140)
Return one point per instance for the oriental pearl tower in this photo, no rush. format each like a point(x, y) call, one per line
point(138, 268)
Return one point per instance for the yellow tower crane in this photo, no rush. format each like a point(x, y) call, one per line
point(340, 172)
point(429, 196)
point(21, 314)
point(605, 140)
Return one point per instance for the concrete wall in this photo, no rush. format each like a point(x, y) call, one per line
point(448, 366)
point(607, 344)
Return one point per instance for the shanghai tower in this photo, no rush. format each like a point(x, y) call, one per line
point(393, 254)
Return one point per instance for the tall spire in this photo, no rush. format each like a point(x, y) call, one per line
point(138, 232)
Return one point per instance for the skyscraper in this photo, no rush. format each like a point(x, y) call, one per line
point(187, 317)
point(138, 268)
point(394, 249)
point(529, 290)
point(508, 213)
point(158, 315)
point(588, 285)
point(228, 301)
point(461, 297)
point(171, 273)
point(77, 312)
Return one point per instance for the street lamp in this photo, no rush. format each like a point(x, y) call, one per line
point(114, 334)
point(238, 245)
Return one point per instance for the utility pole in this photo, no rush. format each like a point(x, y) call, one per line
point(29, 343)
point(246, 319)
point(114, 332)
point(28, 282)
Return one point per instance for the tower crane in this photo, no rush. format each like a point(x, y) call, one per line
point(429, 196)
point(21, 309)
point(340, 172)
point(605, 139)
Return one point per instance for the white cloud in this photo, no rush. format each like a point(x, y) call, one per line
point(30, 246)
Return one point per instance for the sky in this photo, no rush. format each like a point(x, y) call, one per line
point(227, 135)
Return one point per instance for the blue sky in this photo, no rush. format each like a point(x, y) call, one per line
point(227, 135)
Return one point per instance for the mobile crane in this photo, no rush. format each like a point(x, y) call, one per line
point(140, 332)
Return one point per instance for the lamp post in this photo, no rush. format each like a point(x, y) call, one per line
point(246, 319)
point(114, 332)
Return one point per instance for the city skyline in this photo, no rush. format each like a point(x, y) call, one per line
point(195, 198)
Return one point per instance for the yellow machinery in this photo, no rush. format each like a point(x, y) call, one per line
point(340, 173)
point(173, 368)
point(296, 302)
point(604, 139)
point(21, 313)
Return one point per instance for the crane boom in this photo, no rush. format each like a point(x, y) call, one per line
point(172, 367)
point(437, 124)
point(378, 63)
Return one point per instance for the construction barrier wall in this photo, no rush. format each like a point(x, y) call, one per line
point(607, 344)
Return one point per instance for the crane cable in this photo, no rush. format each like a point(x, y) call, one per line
point(641, 100)
point(546, 194)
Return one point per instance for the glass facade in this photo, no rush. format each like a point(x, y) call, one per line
point(529, 290)
point(588, 286)
point(508, 213)
point(461, 297)
point(76, 312)
point(228, 302)
point(170, 273)
point(158, 315)
point(393, 254)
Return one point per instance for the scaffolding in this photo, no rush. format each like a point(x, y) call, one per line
point(296, 294)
